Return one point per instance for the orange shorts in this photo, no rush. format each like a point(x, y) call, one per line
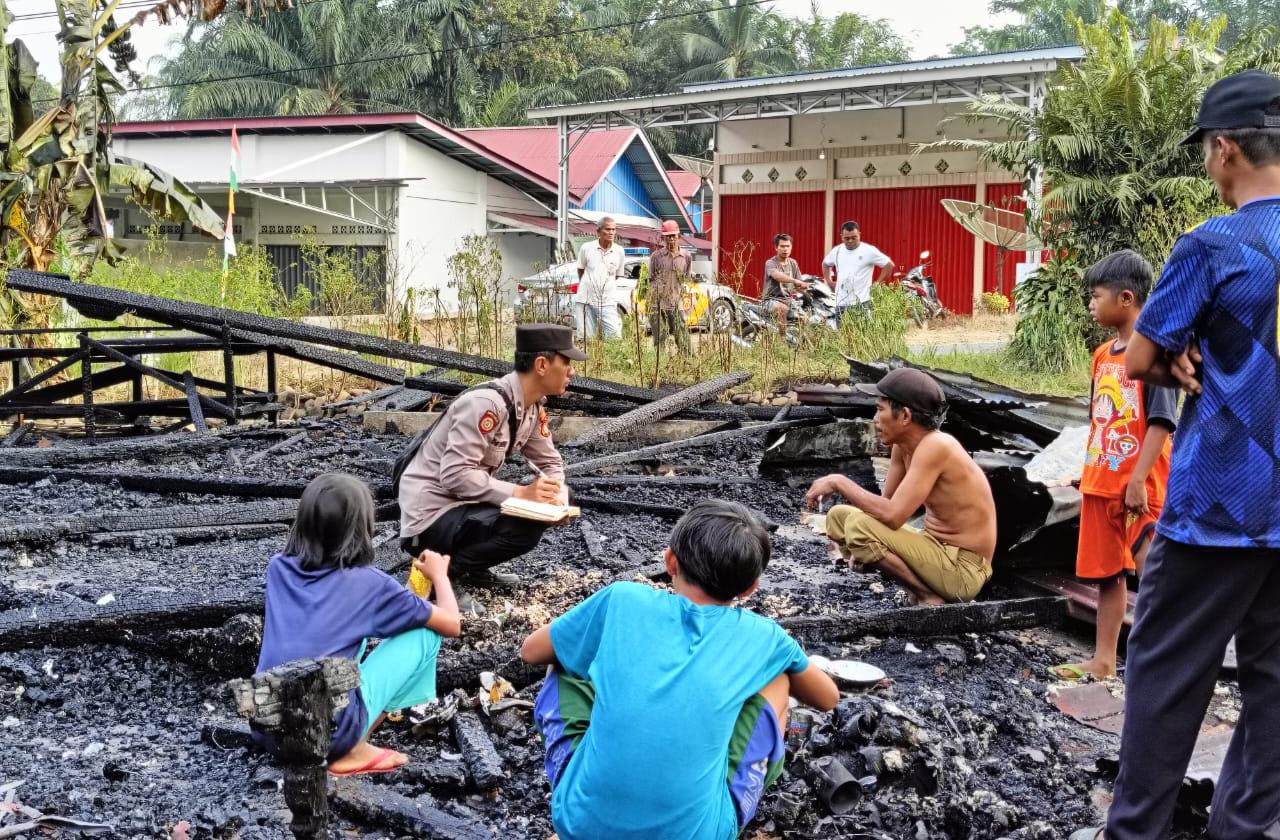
point(1109, 537)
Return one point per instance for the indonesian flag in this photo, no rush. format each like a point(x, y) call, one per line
point(233, 186)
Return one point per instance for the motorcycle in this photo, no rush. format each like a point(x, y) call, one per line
point(813, 307)
point(922, 293)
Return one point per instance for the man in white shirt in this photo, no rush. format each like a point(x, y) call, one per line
point(600, 264)
point(848, 269)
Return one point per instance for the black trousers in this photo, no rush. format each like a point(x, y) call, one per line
point(476, 537)
point(1191, 601)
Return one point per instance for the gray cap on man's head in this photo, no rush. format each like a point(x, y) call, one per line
point(911, 387)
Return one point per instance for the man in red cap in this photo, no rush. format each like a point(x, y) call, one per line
point(950, 560)
point(668, 270)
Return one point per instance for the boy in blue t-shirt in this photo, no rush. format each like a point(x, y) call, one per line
point(664, 717)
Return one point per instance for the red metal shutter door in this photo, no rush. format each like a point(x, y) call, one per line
point(747, 220)
point(904, 221)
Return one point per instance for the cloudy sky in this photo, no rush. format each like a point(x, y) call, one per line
point(930, 26)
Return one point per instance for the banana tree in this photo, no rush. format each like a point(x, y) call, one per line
point(59, 166)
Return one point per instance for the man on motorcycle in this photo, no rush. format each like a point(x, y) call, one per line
point(781, 278)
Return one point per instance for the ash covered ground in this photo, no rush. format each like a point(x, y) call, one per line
point(959, 743)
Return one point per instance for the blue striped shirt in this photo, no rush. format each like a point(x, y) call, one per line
point(1221, 287)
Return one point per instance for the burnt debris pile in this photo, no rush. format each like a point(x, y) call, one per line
point(131, 598)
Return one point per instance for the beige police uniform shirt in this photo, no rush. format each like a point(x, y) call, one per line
point(457, 463)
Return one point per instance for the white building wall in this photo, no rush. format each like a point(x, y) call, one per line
point(443, 200)
point(913, 124)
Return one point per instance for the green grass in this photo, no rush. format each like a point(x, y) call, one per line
point(996, 367)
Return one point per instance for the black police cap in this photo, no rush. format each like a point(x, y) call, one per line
point(1244, 100)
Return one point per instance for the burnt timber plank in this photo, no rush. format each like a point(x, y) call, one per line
point(379, 805)
point(203, 318)
point(484, 765)
point(662, 408)
point(69, 624)
point(661, 449)
point(143, 448)
point(914, 622)
point(48, 529)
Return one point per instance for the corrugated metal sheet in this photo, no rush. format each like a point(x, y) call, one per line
point(755, 219)
point(1002, 197)
point(1063, 53)
point(537, 148)
point(293, 272)
point(621, 191)
point(904, 222)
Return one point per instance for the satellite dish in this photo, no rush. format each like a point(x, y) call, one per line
point(1004, 229)
point(698, 166)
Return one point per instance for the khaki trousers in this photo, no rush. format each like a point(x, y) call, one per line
point(954, 573)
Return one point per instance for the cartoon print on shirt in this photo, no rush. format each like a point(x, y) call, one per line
point(1115, 413)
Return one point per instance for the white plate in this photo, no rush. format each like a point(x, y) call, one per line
point(849, 672)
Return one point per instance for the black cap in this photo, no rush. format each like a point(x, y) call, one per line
point(1246, 100)
point(910, 386)
point(539, 338)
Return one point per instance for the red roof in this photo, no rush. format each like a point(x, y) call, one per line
point(686, 184)
point(538, 149)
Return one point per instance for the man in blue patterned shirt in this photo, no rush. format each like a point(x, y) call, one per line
point(1213, 572)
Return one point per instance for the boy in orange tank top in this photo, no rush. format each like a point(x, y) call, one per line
point(1126, 463)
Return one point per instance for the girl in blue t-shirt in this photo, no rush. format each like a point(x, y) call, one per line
point(324, 598)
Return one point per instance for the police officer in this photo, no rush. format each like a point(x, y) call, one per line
point(449, 497)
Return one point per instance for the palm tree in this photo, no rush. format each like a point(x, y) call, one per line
point(728, 42)
point(1106, 139)
point(317, 60)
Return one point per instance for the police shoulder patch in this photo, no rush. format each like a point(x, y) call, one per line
point(488, 422)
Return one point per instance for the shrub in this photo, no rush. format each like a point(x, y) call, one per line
point(881, 333)
point(1053, 323)
point(995, 303)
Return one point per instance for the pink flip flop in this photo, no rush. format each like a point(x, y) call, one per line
point(372, 766)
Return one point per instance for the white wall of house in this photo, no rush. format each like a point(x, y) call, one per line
point(441, 202)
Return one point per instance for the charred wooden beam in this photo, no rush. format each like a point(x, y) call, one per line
point(203, 318)
point(197, 400)
point(194, 403)
point(372, 396)
point(185, 536)
point(945, 620)
point(45, 375)
point(294, 703)
point(345, 362)
point(484, 765)
point(662, 408)
point(378, 805)
point(145, 448)
point(661, 449)
point(677, 482)
point(51, 528)
point(66, 390)
point(276, 447)
point(462, 669)
point(98, 412)
point(16, 435)
point(70, 623)
point(625, 506)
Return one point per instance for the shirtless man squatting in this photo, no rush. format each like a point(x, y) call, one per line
point(950, 560)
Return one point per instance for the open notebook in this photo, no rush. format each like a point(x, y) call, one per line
point(539, 511)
